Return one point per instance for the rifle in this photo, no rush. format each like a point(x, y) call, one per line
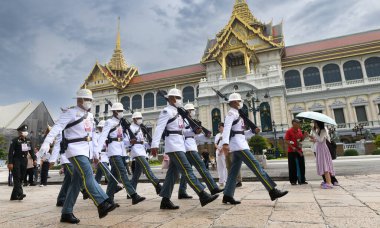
point(144, 129)
point(125, 124)
point(195, 125)
point(250, 124)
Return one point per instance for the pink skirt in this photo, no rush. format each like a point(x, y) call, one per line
point(324, 161)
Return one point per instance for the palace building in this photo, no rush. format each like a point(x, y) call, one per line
point(339, 77)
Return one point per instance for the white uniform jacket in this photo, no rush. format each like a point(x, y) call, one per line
point(219, 142)
point(56, 152)
point(103, 153)
point(192, 139)
point(114, 148)
point(81, 130)
point(137, 149)
point(173, 142)
point(239, 141)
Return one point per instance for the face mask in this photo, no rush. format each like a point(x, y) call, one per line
point(192, 113)
point(24, 133)
point(87, 105)
point(139, 121)
point(240, 105)
point(120, 115)
point(178, 103)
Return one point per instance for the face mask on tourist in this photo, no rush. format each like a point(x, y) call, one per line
point(139, 121)
point(120, 115)
point(87, 105)
point(192, 113)
point(24, 133)
point(240, 105)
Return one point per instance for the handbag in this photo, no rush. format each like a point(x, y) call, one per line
point(332, 149)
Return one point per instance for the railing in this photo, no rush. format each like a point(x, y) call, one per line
point(353, 82)
point(334, 84)
point(366, 124)
point(313, 87)
point(349, 146)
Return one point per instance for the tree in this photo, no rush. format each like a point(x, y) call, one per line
point(258, 143)
point(306, 125)
point(377, 141)
point(3, 148)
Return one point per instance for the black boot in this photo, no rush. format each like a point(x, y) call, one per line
point(206, 198)
point(136, 199)
point(105, 207)
point(216, 190)
point(85, 194)
point(275, 193)
point(166, 204)
point(118, 189)
point(69, 218)
point(158, 188)
point(184, 196)
point(231, 200)
point(239, 184)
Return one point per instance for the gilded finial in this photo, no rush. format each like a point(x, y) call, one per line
point(118, 35)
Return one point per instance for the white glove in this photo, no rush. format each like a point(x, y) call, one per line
point(45, 147)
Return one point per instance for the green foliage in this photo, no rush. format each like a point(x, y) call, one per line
point(377, 141)
point(258, 143)
point(376, 152)
point(3, 148)
point(351, 152)
point(306, 125)
point(154, 162)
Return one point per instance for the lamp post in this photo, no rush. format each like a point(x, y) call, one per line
point(252, 102)
point(358, 128)
point(277, 152)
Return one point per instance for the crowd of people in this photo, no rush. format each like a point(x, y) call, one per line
point(80, 145)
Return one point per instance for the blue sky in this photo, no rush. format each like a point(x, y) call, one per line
point(48, 47)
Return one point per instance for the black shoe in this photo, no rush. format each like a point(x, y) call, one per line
point(32, 184)
point(239, 184)
point(104, 208)
point(69, 218)
point(15, 198)
point(206, 198)
point(158, 188)
point(303, 183)
point(128, 197)
point(59, 204)
point(85, 194)
point(231, 200)
point(216, 190)
point(184, 196)
point(137, 199)
point(24, 185)
point(166, 204)
point(275, 193)
point(118, 189)
point(293, 183)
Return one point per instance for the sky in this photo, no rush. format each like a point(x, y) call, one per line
point(48, 47)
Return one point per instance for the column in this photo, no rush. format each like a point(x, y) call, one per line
point(371, 109)
point(247, 67)
point(328, 109)
point(363, 70)
point(323, 84)
point(224, 65)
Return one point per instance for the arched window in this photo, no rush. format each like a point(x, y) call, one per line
point(292, 79)
point(352, 70)
point(331, 73)
point(160, 101)
point(149, 100)
point(311, 76)
point(188, 94)
point(136, 102)
point(372, 66)
point(126, 102)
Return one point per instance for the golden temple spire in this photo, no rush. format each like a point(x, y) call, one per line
point(117, 62)
point(241, 10)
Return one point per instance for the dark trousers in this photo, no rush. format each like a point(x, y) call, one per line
point(19, 170)
point(292, 165)
point(44, 172)
point(29, 175)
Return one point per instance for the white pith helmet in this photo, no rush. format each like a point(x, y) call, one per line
point(84, 93)
point(189, 106)
point(136, 115)
point(234, 97)
point(175, 93)
point(101, 123)
point(117, 107)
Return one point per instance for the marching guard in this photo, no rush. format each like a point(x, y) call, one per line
point(234, 141)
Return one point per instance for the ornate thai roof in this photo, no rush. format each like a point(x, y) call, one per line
point(248, 30)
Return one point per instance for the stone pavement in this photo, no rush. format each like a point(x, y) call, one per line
point(356, 203)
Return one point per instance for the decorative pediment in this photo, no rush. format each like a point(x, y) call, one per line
point(317, 107)
point(338, 104)
point(296, 109)
point(359, 101)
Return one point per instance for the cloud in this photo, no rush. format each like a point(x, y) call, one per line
point(49, 50)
